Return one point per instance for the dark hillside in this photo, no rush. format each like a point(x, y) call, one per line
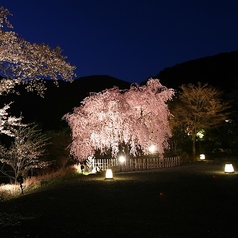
point(58, 101)
point(219, 71)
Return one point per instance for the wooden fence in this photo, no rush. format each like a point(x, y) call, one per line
point(133, 164)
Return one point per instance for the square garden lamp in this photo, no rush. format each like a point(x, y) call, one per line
point(109, 174)
point(229, 168)
point(202, 156)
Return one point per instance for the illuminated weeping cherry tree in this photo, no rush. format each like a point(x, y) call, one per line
point(137, 117)
point(24, 63)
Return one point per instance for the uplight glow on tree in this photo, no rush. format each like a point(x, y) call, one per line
point(198, 108)
point(137, 117)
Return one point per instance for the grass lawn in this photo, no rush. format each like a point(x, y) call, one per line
point(194, 200)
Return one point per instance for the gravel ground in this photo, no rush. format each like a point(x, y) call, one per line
point(193, 200)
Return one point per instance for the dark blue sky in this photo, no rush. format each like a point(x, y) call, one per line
point(128, 39)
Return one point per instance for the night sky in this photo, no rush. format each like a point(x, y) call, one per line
point(128, 39)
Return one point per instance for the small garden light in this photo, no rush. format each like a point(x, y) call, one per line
point(109, 174)
point(122, 159)
point(229, 168)
point(152, 148)
point(202, 156)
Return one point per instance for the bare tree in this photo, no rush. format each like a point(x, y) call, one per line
point(198, 108)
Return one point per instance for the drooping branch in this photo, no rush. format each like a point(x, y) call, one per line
point(137, 117)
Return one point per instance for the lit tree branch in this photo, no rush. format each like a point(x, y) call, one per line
point(24, 153)
point(30, 63)
point(24, 63)
point(137, 117)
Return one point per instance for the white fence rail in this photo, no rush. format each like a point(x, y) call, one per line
point(133, 164)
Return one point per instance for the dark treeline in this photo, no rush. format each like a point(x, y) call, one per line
point(48, 111)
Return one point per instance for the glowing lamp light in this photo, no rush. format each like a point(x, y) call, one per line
point(229, 168)
point(109, 174)
point(122, 159)
point(152, 148)
point(202, 156)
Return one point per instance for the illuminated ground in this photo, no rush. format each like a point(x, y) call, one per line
point(196, 200)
